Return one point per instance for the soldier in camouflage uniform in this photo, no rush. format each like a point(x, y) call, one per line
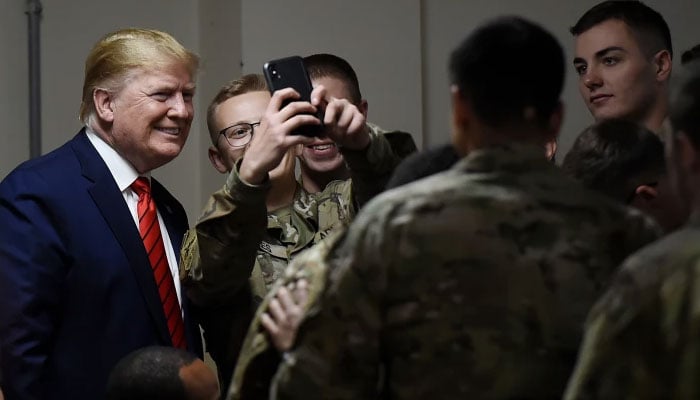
point(321, 162)
point(262, 217)
point(642, 338)
point(473, 283)
point(623, 57)
point(625, 161)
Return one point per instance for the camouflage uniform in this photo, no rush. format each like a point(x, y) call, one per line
point(232, 256)
point(642, 338)
point(473, 283)
point(259, 359)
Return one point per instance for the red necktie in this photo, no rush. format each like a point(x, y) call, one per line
point(153, 242)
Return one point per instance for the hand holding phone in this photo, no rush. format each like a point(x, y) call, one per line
point(291, 72)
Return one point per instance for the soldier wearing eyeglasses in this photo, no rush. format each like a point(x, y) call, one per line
point(262, 217)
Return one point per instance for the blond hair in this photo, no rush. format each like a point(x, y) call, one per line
point(245, 84)
point(114, 59)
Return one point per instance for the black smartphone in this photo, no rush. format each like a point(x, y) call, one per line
point(291, 72)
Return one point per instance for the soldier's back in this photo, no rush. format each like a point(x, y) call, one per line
point(473, 283)
point(492, 269)
point(642, 336)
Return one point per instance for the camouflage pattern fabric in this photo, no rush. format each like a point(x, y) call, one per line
point(232, 257)
point(230, 240)
point(255, 365)
point(642, 338)
point(473, 283)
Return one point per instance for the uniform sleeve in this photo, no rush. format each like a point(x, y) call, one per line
point(33, 264)
point(337, 350)
point(371, 168)
point(259, 359)
point(611, 363)
point(218, 254)
point(633, 333)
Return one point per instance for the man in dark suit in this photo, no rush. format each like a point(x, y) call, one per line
point(88, 241)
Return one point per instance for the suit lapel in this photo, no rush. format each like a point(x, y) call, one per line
point(110, 202)
point(173, 216)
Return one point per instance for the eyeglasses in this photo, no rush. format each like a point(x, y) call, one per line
point(239, 135)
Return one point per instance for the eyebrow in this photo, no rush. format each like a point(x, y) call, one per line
point(250, 121)
point(600, 53)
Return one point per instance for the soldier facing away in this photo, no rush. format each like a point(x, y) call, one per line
point(473, 283)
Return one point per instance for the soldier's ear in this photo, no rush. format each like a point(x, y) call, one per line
point(461, 120)
point(217, 160)
point(364, 107)
point(461, 109)
point(555, 121)
point(644, 193)
point(550, 149)
point(663, 64)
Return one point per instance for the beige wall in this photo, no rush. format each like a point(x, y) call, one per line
point(69, 28)
point(14, 84)
point(380, 40)
point(447, 22)
point(399, 49)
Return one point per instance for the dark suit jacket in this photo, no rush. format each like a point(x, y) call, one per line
point(76, 288)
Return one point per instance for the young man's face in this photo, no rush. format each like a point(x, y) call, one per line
point(247, 107)
point(616, 78)
point(322, 156)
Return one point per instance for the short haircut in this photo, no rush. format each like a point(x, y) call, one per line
point(691, 54)
point(614, 157)
point(685, 103)
point(648, 26)
point(325, 65)
point(150, 373)
point(245, 84)
point(511, 70)
point(117, 55)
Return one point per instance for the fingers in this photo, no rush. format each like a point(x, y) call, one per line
point(294, 104)
point(269, 325)
point(277, 312)
point(301, 292)
point(279, 97)
point(340, 113)
point(285, 299)
point(295, 122)
point(345, 124)
point(318, 96)
point(283, 317)
point(332, 110)
point(346, 117)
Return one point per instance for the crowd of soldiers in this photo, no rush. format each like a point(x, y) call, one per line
point(351, 266)
point(476, 282)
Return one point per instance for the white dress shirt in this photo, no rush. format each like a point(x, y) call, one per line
point(124, 175)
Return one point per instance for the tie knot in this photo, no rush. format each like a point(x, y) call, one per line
point(141, 186)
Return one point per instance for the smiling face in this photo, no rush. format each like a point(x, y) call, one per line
point(247, 107)
point(616, 78)
point(323, 156)
point(150, 116)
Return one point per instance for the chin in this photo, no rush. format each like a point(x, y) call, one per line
point(326, 166)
